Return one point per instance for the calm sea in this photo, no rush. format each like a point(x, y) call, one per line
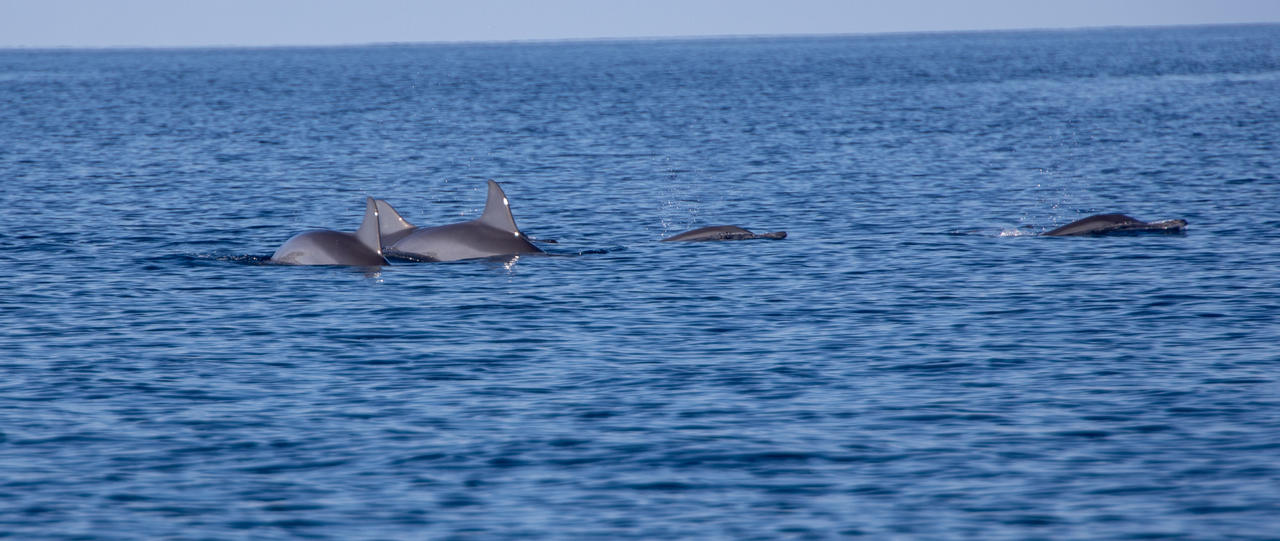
point(912, 361)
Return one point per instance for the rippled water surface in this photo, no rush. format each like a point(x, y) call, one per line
point(911, 361)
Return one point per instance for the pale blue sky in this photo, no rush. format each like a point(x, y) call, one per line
point(161, 23)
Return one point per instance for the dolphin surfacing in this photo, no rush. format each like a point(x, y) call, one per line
point(1103, 224)
point(325, 247)
point(722, 232)
point(493, 234)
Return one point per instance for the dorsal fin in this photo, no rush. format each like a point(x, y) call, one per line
point(390, 221)
point(497, 211)
point(370, 233)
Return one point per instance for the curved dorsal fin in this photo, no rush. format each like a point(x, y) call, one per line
point(390, 221)
point(497, 210)
point(370, 234)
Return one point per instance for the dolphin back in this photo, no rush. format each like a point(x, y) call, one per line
point(325, 247)
point(1102, 224)
point(494, 233)
point(722, 232)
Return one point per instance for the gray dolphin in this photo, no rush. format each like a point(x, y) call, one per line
point(494, 233)
point(722, 232)
point(325, 247)
point(1103, 224)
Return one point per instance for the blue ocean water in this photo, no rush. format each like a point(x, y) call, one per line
point(912, 361)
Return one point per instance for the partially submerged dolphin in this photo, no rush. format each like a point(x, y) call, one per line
point(722, 232)
point(325, 247)
point(1103, 224)
point(494, 233)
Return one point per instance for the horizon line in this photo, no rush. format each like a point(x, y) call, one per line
point(613, 39)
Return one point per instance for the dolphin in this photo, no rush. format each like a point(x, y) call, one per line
point(1103, 224)
point(494, 233)
point(722, 232)
point(325, 247)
